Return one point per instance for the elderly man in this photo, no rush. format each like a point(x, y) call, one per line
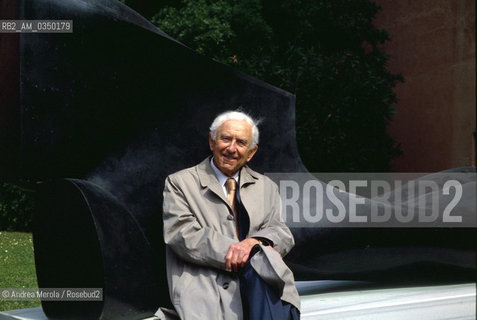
point(214, 214)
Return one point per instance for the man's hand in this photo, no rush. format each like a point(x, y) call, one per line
point(238, 254)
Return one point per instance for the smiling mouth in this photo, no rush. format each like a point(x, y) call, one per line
point(227, 158)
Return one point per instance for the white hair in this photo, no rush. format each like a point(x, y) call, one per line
point(235, 115)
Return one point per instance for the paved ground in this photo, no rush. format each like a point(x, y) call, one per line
point(345, 300)
point(423, 303)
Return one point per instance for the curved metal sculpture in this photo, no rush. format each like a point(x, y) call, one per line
point(85, 238)
point(118, 105)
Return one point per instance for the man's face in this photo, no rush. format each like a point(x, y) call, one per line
point(231, 148)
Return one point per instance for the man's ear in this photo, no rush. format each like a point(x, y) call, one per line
point(211, 142)
point(252, 152)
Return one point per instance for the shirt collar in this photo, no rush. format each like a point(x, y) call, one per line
point(219, 174)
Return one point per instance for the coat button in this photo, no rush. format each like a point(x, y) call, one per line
point(230, 217)
point(225, 285)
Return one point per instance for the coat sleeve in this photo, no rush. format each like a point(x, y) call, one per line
point(274, 228)
point(186, 236)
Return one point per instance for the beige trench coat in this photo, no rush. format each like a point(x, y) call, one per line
point(198, 235)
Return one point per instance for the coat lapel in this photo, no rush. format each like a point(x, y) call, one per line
point(247, 176)
point(249, 195)
point(209, 180)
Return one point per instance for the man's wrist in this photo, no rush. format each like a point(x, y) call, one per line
point(263, 241)
point(253, 241)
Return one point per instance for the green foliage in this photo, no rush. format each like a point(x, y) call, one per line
point(338, 73)
point(17, 267)
point(327, 52)
point(16, 208)
point(223, 30)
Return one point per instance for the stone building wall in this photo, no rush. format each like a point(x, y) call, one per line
point(433, 46)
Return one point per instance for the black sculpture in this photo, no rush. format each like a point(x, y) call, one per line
point(118, 105)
